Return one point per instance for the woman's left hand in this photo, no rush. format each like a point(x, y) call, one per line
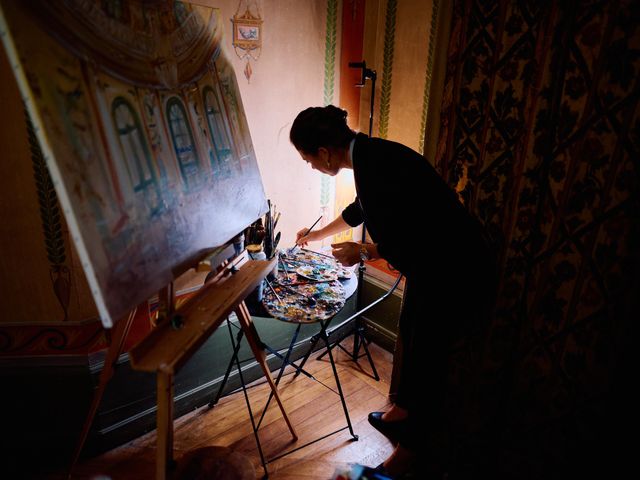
point(347, 253)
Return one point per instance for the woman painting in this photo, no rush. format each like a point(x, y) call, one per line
point(417, 224)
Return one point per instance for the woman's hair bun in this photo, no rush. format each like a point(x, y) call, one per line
point(318, 127)
point(336, 111)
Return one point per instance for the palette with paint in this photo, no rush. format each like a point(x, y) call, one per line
point(307, 289)
point(306, 303)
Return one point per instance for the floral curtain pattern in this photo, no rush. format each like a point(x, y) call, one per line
point(540, 135)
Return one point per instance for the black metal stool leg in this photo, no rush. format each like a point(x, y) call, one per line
point(356, 340)
point(357, 331)
point(366, 350)
point(236, 349)
point(324, 337)
point(361, 341)
point(321, 356)
point(253, 422)
point(314, 342)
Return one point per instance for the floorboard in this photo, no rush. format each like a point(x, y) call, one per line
point(313, 409)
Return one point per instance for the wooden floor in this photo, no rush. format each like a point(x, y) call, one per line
point(313, 409)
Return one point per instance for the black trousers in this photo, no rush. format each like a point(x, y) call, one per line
point(446, 307)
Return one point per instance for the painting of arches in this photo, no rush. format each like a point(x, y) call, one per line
point(136, 153)
point(183, 142)
point(105, 84)
point(218, 130)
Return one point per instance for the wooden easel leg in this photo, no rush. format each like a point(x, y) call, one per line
point(252, 337)
point(120, 332)
point(164, 454)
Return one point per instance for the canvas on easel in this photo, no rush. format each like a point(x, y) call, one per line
point(143, 130)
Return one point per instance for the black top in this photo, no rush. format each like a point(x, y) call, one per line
point(410, 212)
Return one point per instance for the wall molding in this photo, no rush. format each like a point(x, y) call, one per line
point(433, 33)
point(387, 67)
point(51, 339)
point(331, 41)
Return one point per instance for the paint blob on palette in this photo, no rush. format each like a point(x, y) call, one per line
point(317, 272)
point(307, 303)
point(302, 259)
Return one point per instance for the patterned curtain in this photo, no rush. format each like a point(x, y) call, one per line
point(540, 135)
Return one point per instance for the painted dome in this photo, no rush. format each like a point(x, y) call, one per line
point(160, 44)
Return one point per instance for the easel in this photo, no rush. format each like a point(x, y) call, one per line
point(177, 336)
point(167, 348)
point(116, 340)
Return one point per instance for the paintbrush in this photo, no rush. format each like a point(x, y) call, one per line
point(311, 300)
point(318, 253)
point(284, 266)
point(302, 262)
point(310, 282)
point(273, 290)
point(311, 227)
point(292, 250)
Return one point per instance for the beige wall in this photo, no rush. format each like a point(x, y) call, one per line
point(410, 67)
point(410, 58)
point(288, 77)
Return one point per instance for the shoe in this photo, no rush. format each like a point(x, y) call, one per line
point(392, 430)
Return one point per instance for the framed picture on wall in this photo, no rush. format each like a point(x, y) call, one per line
point(246, 32)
